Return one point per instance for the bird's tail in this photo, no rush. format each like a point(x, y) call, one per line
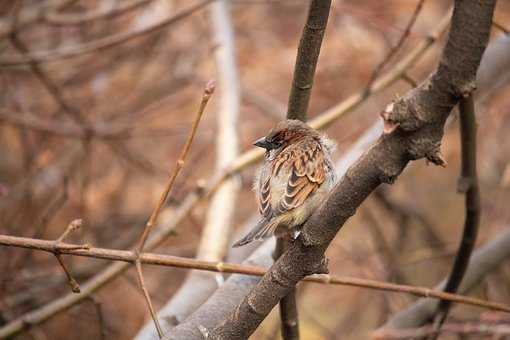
point(262, 230)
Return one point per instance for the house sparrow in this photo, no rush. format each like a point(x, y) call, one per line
point(296, 176)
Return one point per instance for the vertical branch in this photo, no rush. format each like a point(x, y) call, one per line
point(468, 184)
point(306, 60)
point(288, 306)
point(299, 98)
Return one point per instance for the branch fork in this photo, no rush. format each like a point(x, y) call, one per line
point(58, 245)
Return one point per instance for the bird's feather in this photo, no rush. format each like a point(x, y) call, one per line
point(261, 231)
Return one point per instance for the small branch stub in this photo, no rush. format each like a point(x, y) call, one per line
point(74, 225)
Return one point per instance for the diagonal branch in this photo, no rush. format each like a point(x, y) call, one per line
point(208, 91)
point(418, 119)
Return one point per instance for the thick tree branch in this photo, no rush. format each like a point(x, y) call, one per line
point(419, 117)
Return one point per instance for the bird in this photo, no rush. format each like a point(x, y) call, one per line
point(295, 177)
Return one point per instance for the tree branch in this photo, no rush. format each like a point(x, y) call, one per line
point(127, 256)
point(468, 184)
point(299, 98)
point(419, 119)
point(307, 57)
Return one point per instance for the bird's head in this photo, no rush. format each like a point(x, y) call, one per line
point(285, 133)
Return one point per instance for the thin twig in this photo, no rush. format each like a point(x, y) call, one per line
point(468, 184)
point(141, 283)
point(217, 228)
point(208, 91)
point(477, 329)
point(399, 44)
point(58, 245)
point(232, 268)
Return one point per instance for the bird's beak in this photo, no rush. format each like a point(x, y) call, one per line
point(263, 143)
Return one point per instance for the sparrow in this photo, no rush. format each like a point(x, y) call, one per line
point(296, 175)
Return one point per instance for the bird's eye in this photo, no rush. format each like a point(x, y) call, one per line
point(277, 139)
point(276, 142)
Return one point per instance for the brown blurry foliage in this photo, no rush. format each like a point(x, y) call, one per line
point(92, 136)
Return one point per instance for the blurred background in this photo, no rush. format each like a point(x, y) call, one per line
point(98, 98)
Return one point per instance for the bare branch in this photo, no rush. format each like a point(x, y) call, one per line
point(299, 98)
point(468, 184)
point(288, 306)
point(478, 329)
point(223, 267)
point(307, 57)
point(58, 245)
point(208, 91)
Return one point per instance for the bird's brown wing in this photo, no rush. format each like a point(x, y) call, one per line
point(265, 197)
point(307, 174)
